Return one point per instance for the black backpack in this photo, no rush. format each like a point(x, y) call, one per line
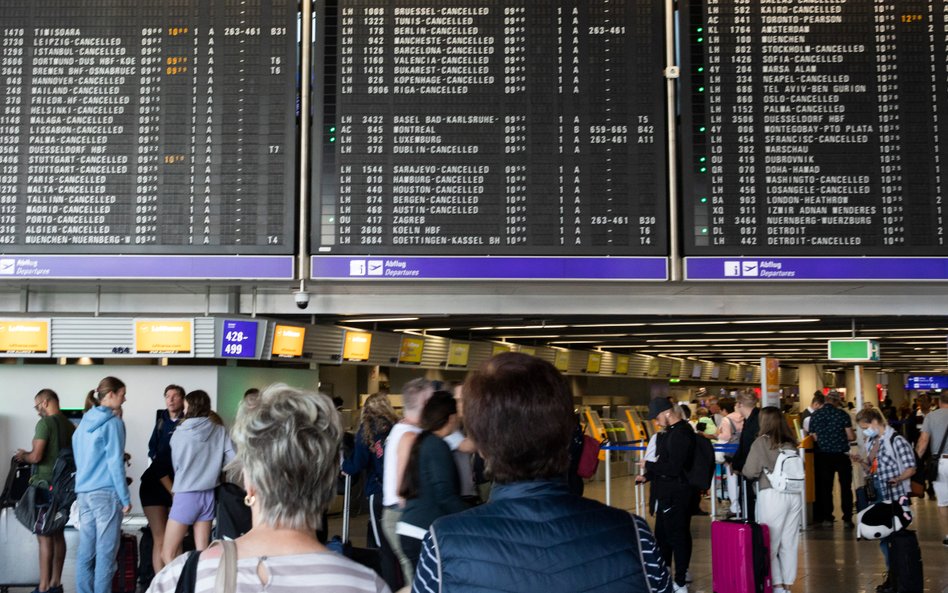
point(701, 472)
point(62, 493)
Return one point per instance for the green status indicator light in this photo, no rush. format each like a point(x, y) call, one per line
point(700, 89)
point(332, 139)
point(700, 29)
point(700, 68)
point(700, 39)
point(704, 231)
point(703, 159)
point(702, 129)
point(703, 200)
point(332, 129)
point(703, 169)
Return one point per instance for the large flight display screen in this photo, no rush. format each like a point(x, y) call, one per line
point(489, 127)
point(147, 126)
point(813, 127)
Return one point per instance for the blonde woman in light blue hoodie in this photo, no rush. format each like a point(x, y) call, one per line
point(98, 445)
point(200, 448)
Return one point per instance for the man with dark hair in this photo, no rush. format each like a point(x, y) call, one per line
point(832, 429)
point(53, 432)
point(154, 489)
point(816, 404)
point(671, 494)
point(533, 535)
point(745, 404)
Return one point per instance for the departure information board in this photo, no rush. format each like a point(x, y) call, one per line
point(147, 126)
point(490, 127)
point(813, 127)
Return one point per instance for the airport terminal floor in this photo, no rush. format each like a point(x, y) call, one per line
point(831, 560)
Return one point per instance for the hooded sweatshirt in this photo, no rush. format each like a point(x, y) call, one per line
point(199, 450)
point(98, 445)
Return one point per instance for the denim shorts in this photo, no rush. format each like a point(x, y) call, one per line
point(190, 507)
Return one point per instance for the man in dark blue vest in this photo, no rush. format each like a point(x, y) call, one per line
point(533, 535)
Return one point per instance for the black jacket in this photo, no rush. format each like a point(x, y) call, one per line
point(675, 449)
point(748, 434)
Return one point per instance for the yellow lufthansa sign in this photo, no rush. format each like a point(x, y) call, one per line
point(594, 362)
point(499, 349)
point(622, 365)
point(561, 360)
point(164, 336)
point(357, 346)
point(458, 354)
point(22, 336)
point(411, 350)
point(288, 341)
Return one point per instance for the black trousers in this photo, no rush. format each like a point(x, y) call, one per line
point(827, 466)
point(673, 530)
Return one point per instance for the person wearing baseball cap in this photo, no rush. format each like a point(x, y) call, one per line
point(671, 494)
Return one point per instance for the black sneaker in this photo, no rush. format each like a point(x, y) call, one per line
point(848, 524)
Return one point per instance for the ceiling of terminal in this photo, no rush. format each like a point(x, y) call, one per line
point(906, 343)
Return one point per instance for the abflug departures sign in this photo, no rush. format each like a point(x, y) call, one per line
point(490, 127)
point(147, 127)
point(813, 127)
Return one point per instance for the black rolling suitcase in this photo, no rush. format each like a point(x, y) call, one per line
point(368, 557)
point(905, 562)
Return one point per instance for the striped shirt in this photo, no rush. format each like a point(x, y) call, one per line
point(428, 573)
point(314, 571)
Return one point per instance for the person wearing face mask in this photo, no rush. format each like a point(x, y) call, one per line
point(671, 494)
point(889, 462)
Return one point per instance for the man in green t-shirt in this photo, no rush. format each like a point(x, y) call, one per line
point(53, 432)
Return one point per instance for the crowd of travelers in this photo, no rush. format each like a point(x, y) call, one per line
point(433, 524)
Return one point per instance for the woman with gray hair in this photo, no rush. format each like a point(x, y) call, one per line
point(287, 444)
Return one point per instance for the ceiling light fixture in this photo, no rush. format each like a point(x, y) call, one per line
point(379, 319)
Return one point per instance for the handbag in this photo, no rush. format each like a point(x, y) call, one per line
point(589, 458)
point(226, 579)
point(931, 466)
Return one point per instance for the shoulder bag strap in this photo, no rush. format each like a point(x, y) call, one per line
point(187, 580)
point(944, 438)
point(226, 580)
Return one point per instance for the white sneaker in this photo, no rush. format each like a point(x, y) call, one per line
point(679, 588)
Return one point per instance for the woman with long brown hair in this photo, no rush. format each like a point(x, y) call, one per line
point(430, 485)
point(200, 448)
point(368, 455)
point(779, 510)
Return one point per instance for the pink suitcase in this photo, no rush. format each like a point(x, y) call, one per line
point(732, 557)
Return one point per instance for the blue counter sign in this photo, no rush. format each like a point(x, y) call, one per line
point(239, 339)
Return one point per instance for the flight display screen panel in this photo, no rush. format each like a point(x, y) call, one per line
point(485, 127)
point(148, 127)
point(813, 127)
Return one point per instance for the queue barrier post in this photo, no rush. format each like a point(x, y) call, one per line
point(608, 476)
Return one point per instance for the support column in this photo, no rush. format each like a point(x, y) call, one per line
point(811, 379)
point(896, 388)
point(868, 383)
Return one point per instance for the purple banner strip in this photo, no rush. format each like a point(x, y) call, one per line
point(867, 269)
point(335, 267)
point(145, 267)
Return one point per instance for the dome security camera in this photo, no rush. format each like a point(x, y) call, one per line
point(302, 299)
